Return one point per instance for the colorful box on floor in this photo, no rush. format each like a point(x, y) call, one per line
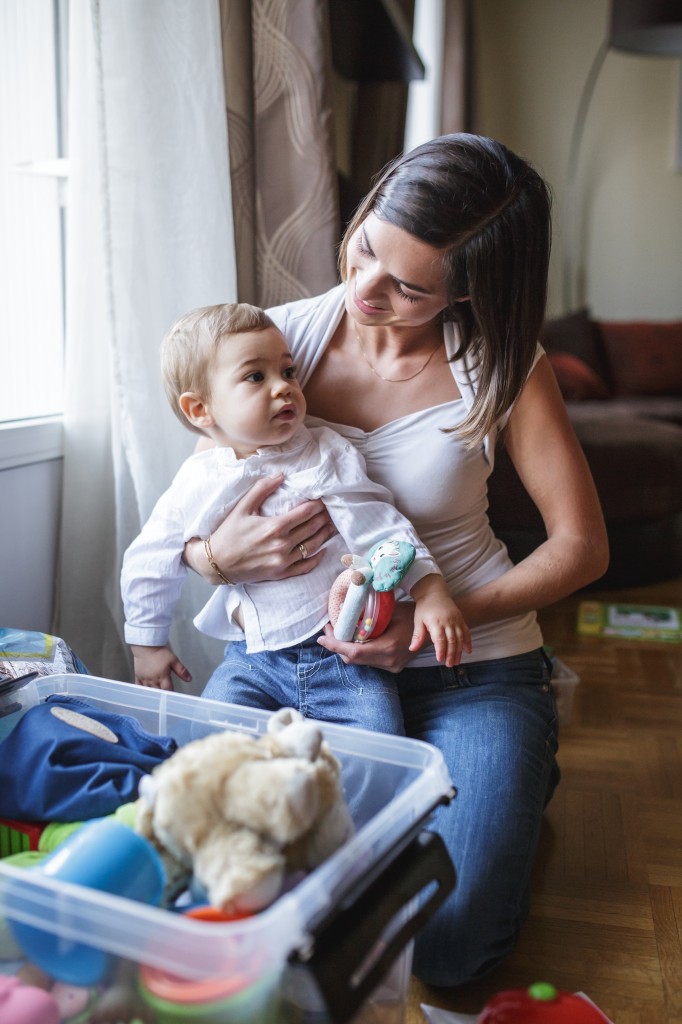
point(336, 947)
point(658, 623)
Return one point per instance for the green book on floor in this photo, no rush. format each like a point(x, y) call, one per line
point(637, 621)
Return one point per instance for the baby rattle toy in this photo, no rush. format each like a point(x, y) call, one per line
point(362, 598)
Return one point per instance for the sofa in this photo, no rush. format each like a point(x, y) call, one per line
point(622, 384)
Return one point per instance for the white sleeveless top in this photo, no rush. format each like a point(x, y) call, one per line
point(437, 483)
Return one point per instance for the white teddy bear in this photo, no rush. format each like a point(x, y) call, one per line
point(241, 813)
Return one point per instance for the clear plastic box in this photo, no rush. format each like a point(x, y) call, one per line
point(564, 681)
point(337, 947)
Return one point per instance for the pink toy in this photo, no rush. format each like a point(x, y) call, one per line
point(26, 1004)
point(540, 1004)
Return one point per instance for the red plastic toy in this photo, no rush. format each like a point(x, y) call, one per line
point(540, 1004)
point(17, 836)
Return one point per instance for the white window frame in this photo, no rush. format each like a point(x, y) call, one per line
point(37, 439)
point(25, 441)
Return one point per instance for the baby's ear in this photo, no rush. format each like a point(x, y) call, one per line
point(195, 409)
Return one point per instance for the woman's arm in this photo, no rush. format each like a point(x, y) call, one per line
point(552, 466)
point(249, 547)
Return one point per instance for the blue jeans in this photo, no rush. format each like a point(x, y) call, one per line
point(312, 680)
point(495, 723)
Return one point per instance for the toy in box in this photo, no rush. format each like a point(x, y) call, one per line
point(335, 946)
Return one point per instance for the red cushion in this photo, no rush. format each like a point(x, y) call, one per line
point(577, 335)
point(576, 379)
point(645, 357)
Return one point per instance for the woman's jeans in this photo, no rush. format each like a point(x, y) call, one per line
point(495, 723)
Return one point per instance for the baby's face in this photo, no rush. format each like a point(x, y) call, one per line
point(255, 400)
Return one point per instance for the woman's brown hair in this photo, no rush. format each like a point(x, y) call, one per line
point(490, 213)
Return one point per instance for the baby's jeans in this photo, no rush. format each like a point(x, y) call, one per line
point(311, 679)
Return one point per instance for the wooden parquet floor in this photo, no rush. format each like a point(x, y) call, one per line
point(606, 915)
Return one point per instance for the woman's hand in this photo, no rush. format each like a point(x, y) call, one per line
point(250, 547)
point(389, 651)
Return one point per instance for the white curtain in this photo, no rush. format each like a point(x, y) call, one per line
point(149, 236)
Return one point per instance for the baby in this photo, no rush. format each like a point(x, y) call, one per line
point(228, 374)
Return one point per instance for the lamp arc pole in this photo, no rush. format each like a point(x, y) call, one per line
point(571, 233)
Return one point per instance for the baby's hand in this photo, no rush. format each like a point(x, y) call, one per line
point(154, 665)
point(437, 615)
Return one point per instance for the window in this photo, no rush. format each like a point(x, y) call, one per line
point(32, 190)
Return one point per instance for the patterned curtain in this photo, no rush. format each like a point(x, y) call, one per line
point(277, 71)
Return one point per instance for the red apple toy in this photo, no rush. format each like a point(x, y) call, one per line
point(540, 1004)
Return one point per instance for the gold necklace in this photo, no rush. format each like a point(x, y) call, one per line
point(394, 380)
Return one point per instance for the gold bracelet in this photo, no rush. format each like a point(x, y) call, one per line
point(214, 565)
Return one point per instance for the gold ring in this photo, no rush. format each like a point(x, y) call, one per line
point(303, 549)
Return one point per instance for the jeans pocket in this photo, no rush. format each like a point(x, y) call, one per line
point(363, 679)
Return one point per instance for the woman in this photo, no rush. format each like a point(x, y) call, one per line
point(422, 357)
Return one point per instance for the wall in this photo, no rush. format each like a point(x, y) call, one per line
point(531, 61)
point(30, 498)
point(29, 514)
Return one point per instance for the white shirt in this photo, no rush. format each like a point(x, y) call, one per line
point(441, 486)
point(317, 463)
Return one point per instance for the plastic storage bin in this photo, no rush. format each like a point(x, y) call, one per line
point(337, 947)
point(564, 681)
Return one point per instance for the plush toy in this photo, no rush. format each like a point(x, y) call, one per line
point(362, 598)
point(239, 814)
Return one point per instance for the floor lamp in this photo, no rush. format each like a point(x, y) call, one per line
point(647, 27)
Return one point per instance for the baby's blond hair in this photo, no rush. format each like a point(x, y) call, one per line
point(190, 347)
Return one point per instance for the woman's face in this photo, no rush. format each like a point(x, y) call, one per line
point(392, 278)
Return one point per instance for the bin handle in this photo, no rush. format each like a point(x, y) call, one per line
point(351, 938)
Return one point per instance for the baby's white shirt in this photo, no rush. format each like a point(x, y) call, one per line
point(317, 463)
